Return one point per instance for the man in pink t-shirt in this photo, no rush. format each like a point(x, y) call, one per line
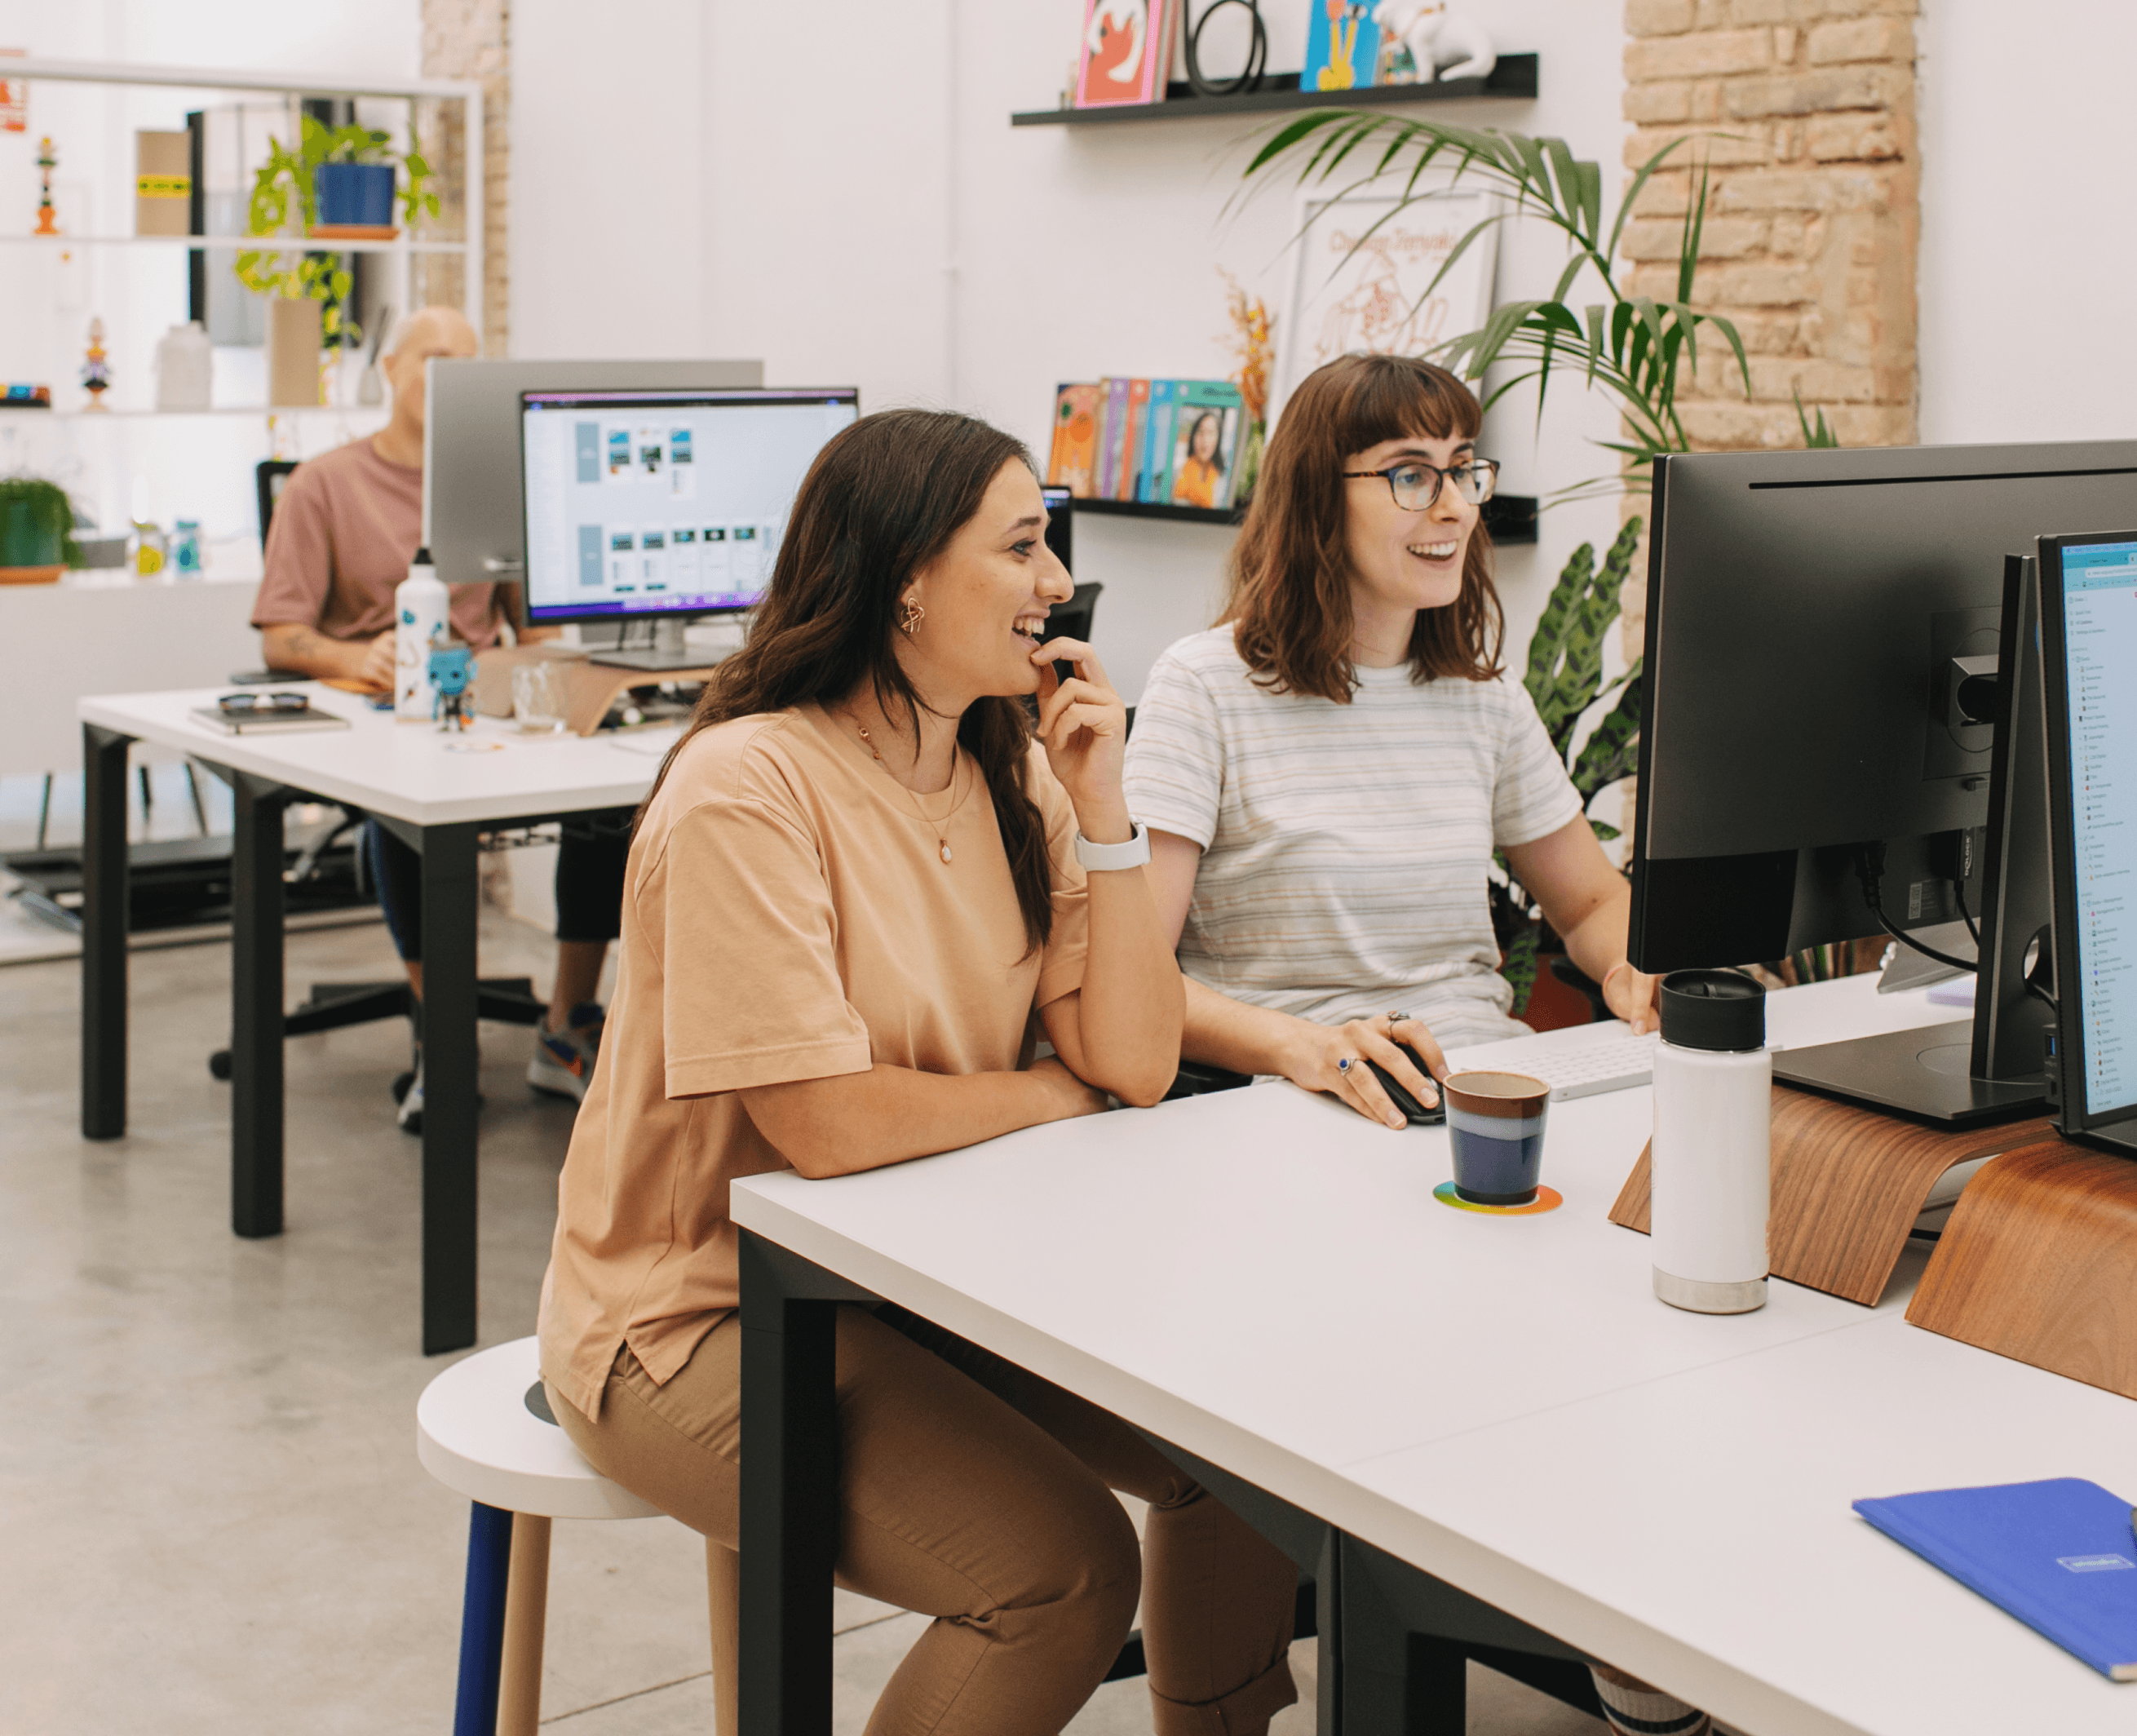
point(343, 533)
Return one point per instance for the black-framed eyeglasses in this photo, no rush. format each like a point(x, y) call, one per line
point(1415, 485)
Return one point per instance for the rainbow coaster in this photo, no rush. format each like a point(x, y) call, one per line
point(1547, 1199)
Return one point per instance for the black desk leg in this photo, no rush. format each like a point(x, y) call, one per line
point(790, 1518)
point(256, 1006)
point(449, 1088)
point(104, 933)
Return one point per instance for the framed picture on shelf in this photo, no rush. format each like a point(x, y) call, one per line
point(1126, 51)
point(1363, 263)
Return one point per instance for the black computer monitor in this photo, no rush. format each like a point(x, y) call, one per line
point(656, 506)
point(2089, 646)
point(1059, 529)
point(1818, 727)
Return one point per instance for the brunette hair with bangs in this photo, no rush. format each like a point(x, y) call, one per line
point(883, 499)
point(1289, 608)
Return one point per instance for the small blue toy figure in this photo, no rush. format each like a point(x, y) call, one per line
point(452, 674)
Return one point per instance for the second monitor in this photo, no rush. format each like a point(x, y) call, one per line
point(656, 506)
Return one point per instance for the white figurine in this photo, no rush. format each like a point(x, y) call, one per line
point(1442, 39)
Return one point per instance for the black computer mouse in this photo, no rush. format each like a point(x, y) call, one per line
point(1414, 1111)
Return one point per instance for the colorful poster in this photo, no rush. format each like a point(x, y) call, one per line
point(1073, 464)
point(1342, 47)
point(1205, 446)
point(1126, 54)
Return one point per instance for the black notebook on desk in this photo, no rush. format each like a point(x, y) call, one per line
point(283, 719)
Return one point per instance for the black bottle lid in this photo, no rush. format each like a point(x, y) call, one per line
point(422, 557)
point(1720, 1010)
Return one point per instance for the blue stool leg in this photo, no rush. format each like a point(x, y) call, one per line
point(482, 1620)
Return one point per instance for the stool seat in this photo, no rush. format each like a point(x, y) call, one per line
point(477, 1433)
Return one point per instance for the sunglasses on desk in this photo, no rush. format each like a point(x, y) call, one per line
point(260, 704)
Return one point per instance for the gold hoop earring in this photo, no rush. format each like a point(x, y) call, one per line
point(910, 615)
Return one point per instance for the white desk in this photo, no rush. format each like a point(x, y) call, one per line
point(436, 790)
point(1262, 1280)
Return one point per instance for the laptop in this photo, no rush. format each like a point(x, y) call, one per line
point(2089, 646)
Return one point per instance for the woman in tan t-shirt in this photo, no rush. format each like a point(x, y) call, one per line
point(853, 885)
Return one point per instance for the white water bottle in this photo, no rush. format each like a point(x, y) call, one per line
point(1711, 1168)
point(423, 623)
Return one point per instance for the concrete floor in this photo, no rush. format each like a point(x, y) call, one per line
point(212, 1517)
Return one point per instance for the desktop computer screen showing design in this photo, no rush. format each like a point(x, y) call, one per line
point(2089, 619)
point(667, 504)
point(1821, 709)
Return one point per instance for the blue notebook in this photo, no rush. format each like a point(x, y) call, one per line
point(2059, 1555)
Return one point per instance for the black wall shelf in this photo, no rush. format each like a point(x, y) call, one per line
point(1509, 518)
point(1514, 77)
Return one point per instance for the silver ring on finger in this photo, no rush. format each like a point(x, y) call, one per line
point(1397, 1018)
point(1344, 1063)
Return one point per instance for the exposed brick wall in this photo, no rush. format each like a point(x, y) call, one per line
point(1805, 113)
point(471, 39)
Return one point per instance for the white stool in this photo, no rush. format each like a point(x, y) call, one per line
point(482, 1429)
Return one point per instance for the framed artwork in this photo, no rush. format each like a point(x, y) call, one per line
point(1358, 287)
point(1126, 54)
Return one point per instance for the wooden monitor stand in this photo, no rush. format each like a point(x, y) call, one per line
point(2039, 1263)
point(1848, 1184)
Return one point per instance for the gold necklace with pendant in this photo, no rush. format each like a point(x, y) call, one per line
point(942, 843)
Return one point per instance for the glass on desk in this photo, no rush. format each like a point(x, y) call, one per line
point(538, 697)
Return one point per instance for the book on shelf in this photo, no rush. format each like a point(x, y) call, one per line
point(1208, 418)
point(1157, 440)
point(1113, 418)
point(1133, 425)
point(1126, 52)
point(1073, 463)
point(1342, 47)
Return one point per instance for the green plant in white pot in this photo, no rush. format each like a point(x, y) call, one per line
point(37, 531)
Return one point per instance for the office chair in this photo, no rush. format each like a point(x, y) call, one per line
point(331, 1006)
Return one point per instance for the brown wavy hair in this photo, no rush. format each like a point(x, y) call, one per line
point(1289, 605)
point(883, 499)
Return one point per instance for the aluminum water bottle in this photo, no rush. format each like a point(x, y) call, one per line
point(1711, 1168)
point(423, 623)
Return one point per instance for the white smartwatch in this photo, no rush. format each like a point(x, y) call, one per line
point(1101, 857)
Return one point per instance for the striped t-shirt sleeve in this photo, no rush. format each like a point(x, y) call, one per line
point(1174, 771)
point(1533, 796)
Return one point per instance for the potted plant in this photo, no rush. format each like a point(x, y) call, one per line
point(36, 531)
point(1564, 678)
point(308, 292)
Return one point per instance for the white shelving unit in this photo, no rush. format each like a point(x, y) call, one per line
point(90, 636)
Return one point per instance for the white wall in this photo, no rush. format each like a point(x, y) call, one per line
point(2028, 253)
point(862, 212)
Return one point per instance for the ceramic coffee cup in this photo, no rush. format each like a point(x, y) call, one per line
point(1495, 1124)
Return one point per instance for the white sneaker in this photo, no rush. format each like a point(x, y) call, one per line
point(408, 1093)
point(562, 1063)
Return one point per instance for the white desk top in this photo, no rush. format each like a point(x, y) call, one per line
point(411, 772)
point(1263, 1278)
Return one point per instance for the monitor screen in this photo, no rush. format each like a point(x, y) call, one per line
point(643, 503)
point(2099, 635)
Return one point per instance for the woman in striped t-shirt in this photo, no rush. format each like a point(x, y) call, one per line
point(1326, 773)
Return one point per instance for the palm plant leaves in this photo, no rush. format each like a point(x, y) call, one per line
point(1638, 348)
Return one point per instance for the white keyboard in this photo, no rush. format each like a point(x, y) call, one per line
point(1616, 1066)
point(1584, 1060)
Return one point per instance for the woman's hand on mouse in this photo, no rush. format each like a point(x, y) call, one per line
point(1332, 1059)
point(1630, 995)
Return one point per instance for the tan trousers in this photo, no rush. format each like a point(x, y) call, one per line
point(976, 1494)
